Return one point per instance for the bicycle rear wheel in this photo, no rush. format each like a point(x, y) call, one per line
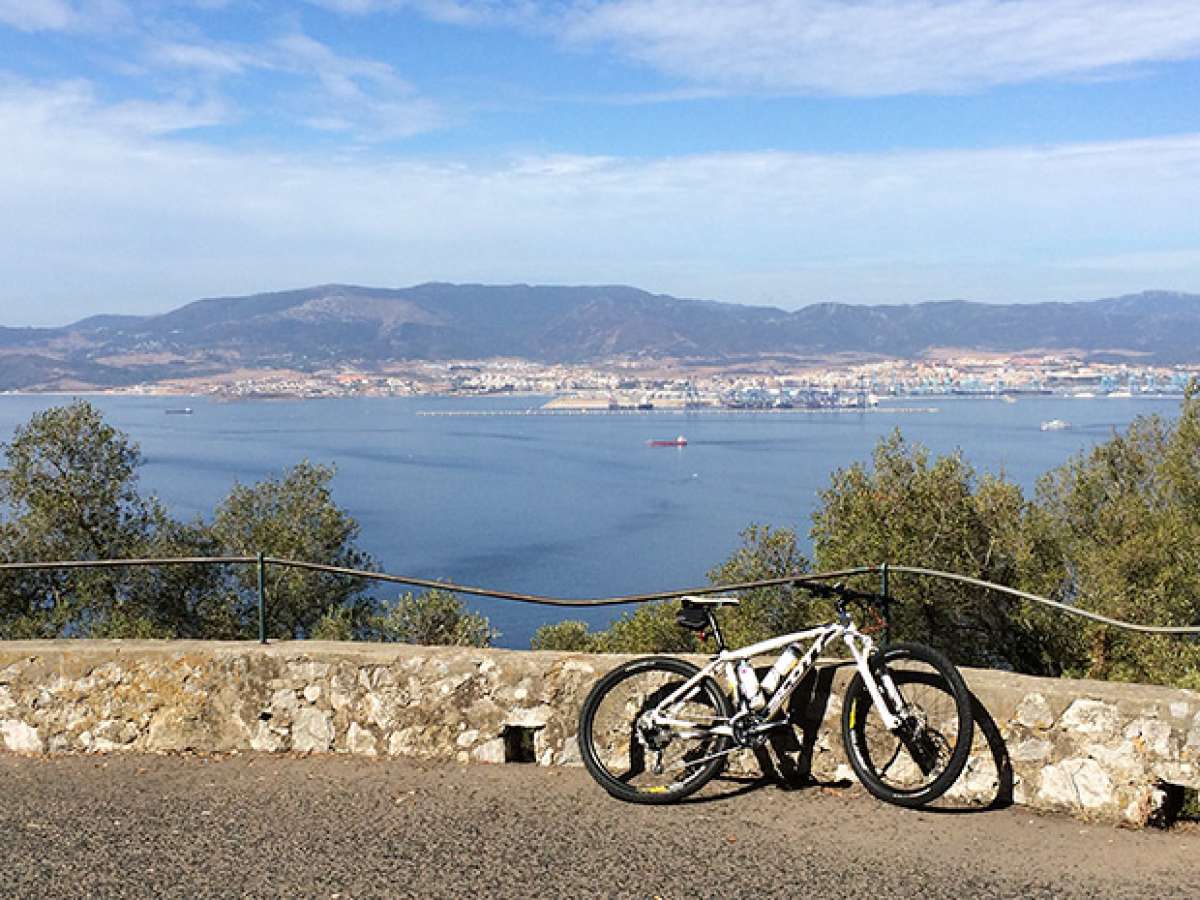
point(643, 763)
point(918, 762)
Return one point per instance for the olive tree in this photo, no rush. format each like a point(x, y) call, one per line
point(293, 516)
point(912, 508)
point(1125, 517)
point(68, 491)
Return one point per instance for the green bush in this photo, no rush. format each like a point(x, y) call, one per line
point(765, 553)
point(568, 636)
point(435, 617)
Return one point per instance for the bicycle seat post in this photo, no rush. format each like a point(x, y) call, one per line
point(716, 629)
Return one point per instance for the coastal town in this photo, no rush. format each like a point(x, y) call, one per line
point(757, 384)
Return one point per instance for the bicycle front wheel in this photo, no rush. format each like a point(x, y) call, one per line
point(659, 761)
point(916, 763)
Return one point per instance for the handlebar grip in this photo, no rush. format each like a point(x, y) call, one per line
point(840, 590)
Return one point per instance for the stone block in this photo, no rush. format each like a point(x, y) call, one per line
point(284, 700)
point(267, 739)
point(312, 730)
point(20, 737)
point(1078, 783)
point(1031, 750)
point(1086, 716)
point(360, 740)
point(569, 755)
point(1150, 735)
point(534, 717)
point(1034, 712)
point(489, 751)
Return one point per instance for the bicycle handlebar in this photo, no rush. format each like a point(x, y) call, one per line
point(816, 588)
point(842, 592)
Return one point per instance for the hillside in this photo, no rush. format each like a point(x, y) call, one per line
point(327, 325)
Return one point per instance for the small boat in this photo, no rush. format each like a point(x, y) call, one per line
point(680, 441)
point(1055, 425)
point(179, 411)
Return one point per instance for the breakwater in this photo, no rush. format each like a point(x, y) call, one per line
point(670, 411)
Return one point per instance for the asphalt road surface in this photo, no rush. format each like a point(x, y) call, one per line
point(337, 827)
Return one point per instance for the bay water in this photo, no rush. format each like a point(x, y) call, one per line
point(568, 505)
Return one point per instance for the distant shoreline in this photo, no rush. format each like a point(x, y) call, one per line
point(675, 411)
point(561, 409)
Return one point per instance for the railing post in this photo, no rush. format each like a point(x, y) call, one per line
point(884, 589)
point(262, 600)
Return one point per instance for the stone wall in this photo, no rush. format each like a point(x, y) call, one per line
point(1101, 750)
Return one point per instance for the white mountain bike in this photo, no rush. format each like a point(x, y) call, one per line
point(657, 729)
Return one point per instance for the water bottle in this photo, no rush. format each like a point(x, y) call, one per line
point(731, 680)
point(748, 682)
point(786, 662)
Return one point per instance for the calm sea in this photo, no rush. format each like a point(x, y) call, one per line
point(567, 505)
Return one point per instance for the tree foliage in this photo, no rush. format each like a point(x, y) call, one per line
point(434, 617)
point(293, 517)
point(912, 508)
point(567, 636)
point(1125, 518)
point(1115, 530)
point(68, 491)
point(764, 553)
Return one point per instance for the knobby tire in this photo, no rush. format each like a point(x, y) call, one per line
point(919, 764)
point(608, 733)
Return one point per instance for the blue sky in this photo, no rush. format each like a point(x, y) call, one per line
point(769, 152)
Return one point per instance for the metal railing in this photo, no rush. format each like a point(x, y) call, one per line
point(260, 561)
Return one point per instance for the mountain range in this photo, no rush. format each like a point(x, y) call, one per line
point(330, 325)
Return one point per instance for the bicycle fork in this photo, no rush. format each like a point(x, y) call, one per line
point(861, 648)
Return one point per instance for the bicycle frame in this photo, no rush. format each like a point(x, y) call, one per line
point(860, 646)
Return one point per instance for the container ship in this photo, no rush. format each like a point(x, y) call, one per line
point(680, 441)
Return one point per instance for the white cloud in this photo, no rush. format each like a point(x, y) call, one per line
point(901, 46)
point(208, 58)
point(50, 108)
point(363, 98)
point(36, 15)
point(850, 47)
point(100, 215)
point(61, 15)
point(458, 12)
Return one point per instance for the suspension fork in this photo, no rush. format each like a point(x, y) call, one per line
point(863, 650)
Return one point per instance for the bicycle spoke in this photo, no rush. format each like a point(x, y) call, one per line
point(649, 753)
point(915, 755)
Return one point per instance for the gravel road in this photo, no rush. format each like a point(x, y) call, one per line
point(128, 825)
